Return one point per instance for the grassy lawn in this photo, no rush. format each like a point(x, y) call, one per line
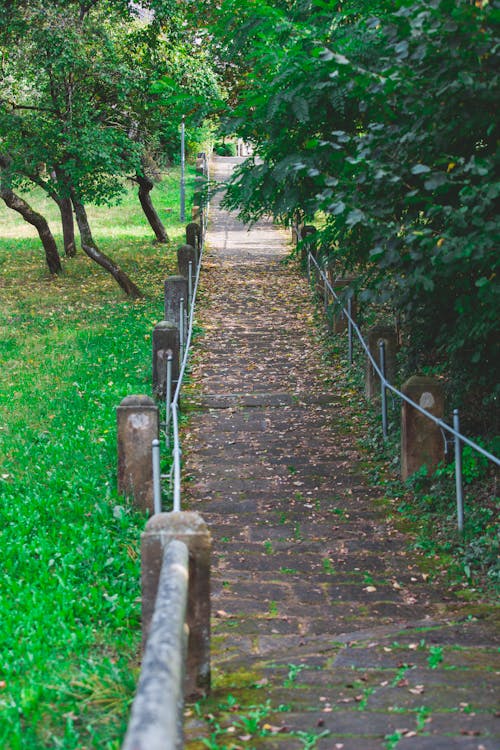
point(70, 349)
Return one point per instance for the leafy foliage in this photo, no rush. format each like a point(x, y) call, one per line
point(380, 119)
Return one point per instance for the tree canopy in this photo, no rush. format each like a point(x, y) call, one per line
point(85, 96)
point(378, 119)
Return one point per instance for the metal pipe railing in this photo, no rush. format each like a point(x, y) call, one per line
point(172, 402)
point(387, 386)
point(156, 720)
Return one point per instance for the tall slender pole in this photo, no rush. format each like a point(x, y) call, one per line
point(156, 476)
point(349, 329)
point(168, 399)
point(183, 178)
point(383, 381)
point(190, 285)
point(458, 472)
point(182, 331)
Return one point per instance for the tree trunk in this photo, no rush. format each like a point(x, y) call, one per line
point(145, 187)
point(91, 249)
point(37, 220)
point(68, 226)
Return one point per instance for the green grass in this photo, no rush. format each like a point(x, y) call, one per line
point(70, 349)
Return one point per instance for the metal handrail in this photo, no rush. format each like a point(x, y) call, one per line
point(459, 439)
point(443, 425)
point(156, 718)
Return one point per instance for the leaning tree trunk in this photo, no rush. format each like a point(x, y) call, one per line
point(37, 220)
point(91, 249)
point(145, 187)
point(68, 226)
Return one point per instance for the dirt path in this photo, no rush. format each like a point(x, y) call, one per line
point(326, 633)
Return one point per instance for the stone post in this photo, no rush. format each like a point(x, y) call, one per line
point(338, 322)
point(193, 236)
point(196, 213)
point(422, 442)
point(308, 231)
point(387, 334)
point(176, 288)
point(189, 528)
point(138, 426)
point(186, 253)
point(296, 230)
point(165, 341)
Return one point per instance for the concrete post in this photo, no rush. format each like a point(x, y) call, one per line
point(189, 528)
point(186, 253)
point(196, 213)
point(165, 341)
point(421, 439)
point(338, 322)
point(308, 231)
point(193, 236)
point(138, 426)
point(387, 334)
point(176, 288)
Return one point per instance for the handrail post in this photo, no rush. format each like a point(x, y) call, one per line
point(181, 327)
point(190, 283)
point(349, 330)
point(190, 528)
point(168, 399)
point(458, 471)
point(155, 450)
point(325, 287)
point(383, 392)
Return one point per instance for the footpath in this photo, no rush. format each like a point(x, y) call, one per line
point(326, 632)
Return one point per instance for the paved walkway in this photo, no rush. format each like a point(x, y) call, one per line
point(326, 632)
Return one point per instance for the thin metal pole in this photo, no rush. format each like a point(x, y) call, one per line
point(190, 282)
point(183, 177)
point(325, 292)
point(181, 327)
point(309, 267)
point(381, 347)
point(458, 471)
point(156, 476)
point(168, 399)
point(349, 330)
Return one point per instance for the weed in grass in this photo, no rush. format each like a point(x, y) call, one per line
point(310, 739)
point(293, 672)
point(391, 740)
point(435, 656)
point(328, 566)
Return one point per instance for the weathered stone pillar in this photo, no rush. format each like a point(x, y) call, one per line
point(421, 439)
point(138, 426)
point(176, 288)
point(165, 341)
point(338, 322)
point(196, 213)
point(186, 253)
point(387, 334)
point(193, 237)
point(307, 233)
point(192, 530)
point(296, 230)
